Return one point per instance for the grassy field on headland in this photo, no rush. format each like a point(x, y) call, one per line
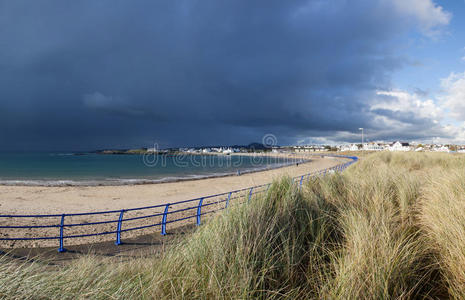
point(391, 226)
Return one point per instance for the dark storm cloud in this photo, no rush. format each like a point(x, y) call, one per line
point(90, 74)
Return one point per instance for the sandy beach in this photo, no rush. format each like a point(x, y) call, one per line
point(76, 199)
point(72, 199)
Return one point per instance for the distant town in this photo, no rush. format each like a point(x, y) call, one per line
point(260, 148)
point(384, 146)
point(371, 146)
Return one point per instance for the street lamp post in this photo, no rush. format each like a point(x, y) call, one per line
point(362, 135)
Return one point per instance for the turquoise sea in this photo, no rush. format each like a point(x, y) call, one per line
point(62, 169)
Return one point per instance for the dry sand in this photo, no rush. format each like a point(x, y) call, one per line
point(75, 199)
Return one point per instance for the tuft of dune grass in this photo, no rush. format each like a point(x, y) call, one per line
point(86, 278)
point(266, 248)
point(381, 255)
point(443, 220)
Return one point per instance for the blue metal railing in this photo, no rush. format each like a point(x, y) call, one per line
point(199, 206)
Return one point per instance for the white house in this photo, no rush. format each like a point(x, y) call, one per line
point(442, 149)
point(352, 147)
point(321, 148)
point(372, 147)
point(344, 148)
point(398, 146)
point(227, 151)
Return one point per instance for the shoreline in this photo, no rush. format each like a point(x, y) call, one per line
point(137, 181)
point(20, 199)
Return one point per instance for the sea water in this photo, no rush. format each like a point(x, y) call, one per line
point(62, 169)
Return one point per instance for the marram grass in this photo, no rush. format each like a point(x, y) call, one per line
point(390, 227)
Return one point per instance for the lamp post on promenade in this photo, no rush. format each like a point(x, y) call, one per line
point(362, 135)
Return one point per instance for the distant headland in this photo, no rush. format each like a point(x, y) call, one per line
point(251, 148)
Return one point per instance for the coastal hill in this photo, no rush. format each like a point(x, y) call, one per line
point(252, 147)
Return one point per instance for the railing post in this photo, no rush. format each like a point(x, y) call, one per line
point(301, 179)
point(163, 221)
point(118, 228)
point(250, 194)
point(199, 211)
point(62, 224)
point(268, 187)
point(229, 198)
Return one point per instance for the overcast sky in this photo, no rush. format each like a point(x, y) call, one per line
point(82, 75)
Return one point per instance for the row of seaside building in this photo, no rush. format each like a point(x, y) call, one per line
point(372, 146)
point(223, 150)
point(394, 146)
